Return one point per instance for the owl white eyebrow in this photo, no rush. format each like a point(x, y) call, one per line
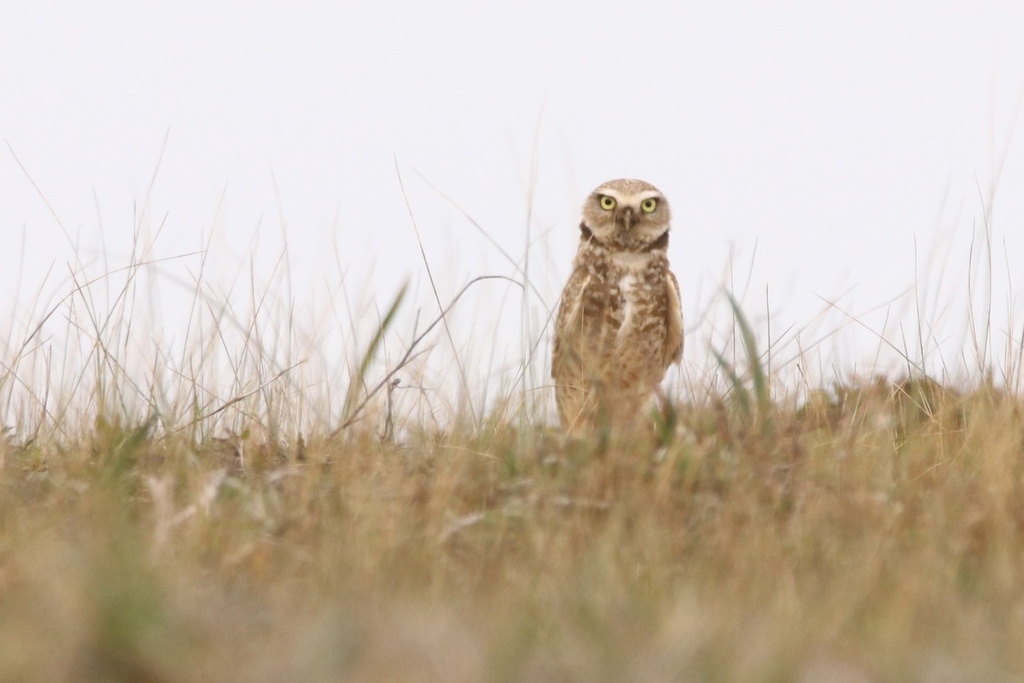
point(638, 197)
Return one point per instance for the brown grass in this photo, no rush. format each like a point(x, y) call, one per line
point(874, 534)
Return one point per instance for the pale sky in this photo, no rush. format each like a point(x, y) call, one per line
point(827, 150)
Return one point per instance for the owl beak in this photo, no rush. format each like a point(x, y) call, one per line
point(628, 218)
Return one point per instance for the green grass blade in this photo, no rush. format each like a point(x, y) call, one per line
point(371, 351)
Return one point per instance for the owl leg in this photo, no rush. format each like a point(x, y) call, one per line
point(607, 407)
point(577, 406)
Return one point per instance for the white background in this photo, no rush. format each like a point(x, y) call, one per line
point(811, 152)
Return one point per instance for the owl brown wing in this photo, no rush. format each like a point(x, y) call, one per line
point(674, 337)
point(564, 356)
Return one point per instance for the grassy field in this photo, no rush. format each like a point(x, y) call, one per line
point(873, 535)
point(155, 528)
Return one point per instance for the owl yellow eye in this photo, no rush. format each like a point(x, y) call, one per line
point(607, 203)
point(648, 205)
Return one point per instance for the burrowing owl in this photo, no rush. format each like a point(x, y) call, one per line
point(620, 323)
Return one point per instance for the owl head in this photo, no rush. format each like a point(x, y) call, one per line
point(626, 214)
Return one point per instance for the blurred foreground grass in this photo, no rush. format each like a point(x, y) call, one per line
point(873, 533)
